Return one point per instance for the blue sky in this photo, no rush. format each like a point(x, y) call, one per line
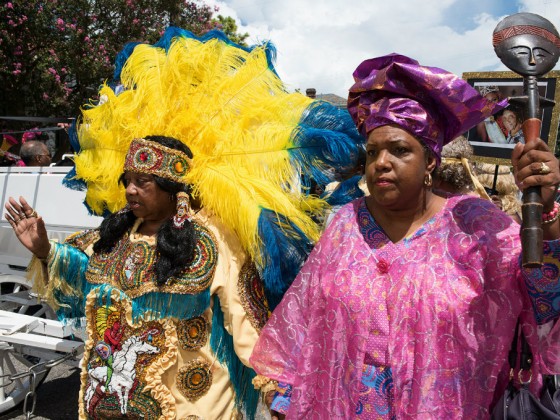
point(321, 42)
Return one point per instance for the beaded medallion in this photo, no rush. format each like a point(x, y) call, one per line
point(194, 379)
point(253, 299)
point(192, 333)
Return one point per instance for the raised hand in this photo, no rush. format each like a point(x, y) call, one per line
point(28, 227)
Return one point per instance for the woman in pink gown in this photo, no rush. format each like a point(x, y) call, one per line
point(407, 306)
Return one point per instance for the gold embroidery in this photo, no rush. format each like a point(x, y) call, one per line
point(129, 266)
point(194, 379)
point(253, 299)
point(82, 240)
point(192, 333)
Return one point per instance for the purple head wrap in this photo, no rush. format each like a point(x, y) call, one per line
point(432, 104)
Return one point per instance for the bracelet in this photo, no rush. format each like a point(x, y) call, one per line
point(551, 216)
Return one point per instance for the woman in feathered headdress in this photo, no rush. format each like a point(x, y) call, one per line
point(175, 294)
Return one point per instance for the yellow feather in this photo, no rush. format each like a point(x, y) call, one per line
point(228, 107)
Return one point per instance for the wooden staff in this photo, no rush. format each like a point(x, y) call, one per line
point(529, 45)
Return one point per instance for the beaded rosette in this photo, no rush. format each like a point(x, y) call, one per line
point(152, 158)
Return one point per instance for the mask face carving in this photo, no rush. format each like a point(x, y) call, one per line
point(528, 55)
point(527, 43)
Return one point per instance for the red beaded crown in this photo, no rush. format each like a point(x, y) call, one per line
point(152, 158)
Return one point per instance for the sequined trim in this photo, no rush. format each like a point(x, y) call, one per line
point(251, 291)
point(194, 379)
point(82, 240)
point(130, 266)
point(192, 333)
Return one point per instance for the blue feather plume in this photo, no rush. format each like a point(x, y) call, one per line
point(284, 249)
point(325, 138)
point(345, 192)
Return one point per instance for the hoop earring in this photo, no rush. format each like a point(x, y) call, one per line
point(184, 212)
point(428, 180)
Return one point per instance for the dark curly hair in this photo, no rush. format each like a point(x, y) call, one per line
point(175, 247)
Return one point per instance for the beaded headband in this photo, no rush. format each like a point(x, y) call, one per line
point(153, 158)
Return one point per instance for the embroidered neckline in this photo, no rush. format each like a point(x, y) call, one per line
point(375, 236)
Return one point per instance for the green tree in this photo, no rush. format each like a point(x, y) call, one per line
point(54, 54)
point(228, 26)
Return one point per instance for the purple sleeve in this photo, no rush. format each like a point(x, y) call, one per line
point(282, 398)
point(543, 284)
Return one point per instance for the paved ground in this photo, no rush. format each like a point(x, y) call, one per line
point(57, 397)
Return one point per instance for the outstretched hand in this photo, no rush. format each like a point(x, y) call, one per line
point(535, 165)
point(28, 226)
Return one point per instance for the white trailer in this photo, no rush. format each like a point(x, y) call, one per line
point(31, 339)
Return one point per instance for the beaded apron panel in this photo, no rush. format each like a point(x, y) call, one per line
point(121, 372)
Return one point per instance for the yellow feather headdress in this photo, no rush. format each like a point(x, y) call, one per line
point(252, 142)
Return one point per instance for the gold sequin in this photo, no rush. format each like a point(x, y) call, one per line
point(192, 333)
point(194, 379)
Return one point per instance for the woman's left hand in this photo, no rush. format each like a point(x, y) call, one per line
point(535, 165)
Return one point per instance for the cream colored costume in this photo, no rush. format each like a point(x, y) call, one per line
point(164, 365)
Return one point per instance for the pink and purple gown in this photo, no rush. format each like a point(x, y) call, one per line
point(416, 329)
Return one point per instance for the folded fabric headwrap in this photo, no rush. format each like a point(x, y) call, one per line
point(432, 104)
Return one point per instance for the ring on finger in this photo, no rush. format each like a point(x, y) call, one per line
point(33, 214)
point(544, 169)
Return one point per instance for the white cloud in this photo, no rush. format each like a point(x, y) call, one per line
point(321, 42)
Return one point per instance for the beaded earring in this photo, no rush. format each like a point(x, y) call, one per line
point(184, 212)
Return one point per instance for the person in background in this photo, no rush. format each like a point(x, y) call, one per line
point(513, 126)
point(490, 129)
point(407, 306)
point(35, 153)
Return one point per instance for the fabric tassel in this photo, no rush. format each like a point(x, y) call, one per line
point(156, 305)
point(241, 376)
point(66, 276)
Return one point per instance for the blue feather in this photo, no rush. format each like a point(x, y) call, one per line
point(121, 58)
point(241, 376)
point(73, 136)
point(325, 138)
point(284, 249)
point(71, 181)
point(345, 192)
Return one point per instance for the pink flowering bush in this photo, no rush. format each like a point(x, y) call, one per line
point(54, 54)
